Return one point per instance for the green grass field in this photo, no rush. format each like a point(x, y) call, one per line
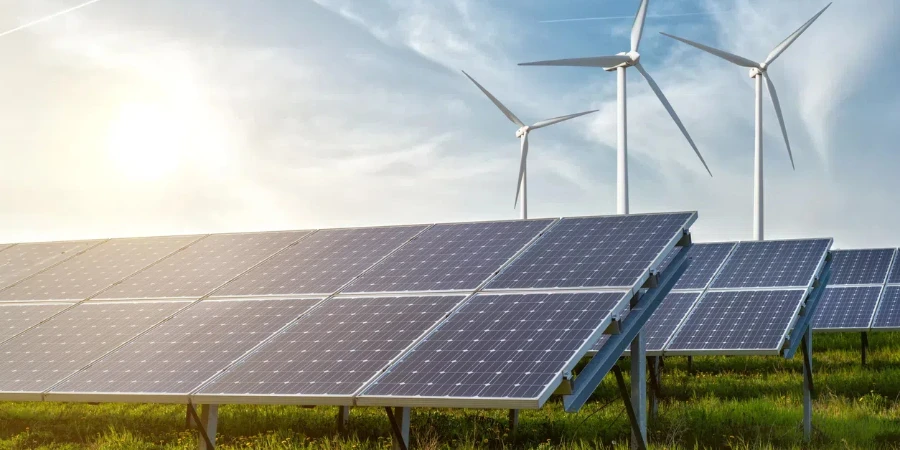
point(727, 402)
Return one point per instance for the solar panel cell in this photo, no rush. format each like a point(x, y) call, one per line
point(449, 257)
point(869, 266)
point(18, 317)
point(335, 348)
point(179, 354)
point(203, 266)
point(321, 263)
point(613, 251)
point(42, 356)
point(96, 269)
point(764, 264)
point(500, 346)
point(736, 321)
point(705, 260)
point(843, 308)
point(19, 261)
point(888, 314)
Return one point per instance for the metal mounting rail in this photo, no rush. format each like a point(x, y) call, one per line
point(602, 362)
point(805, 320)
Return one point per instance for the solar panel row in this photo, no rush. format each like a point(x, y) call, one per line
point(860, 283)
point(287, 349)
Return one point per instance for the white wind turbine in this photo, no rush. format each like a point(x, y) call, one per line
point(522, 134)
point(619, 63)
point(758, 72)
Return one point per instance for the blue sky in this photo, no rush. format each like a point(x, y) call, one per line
point(130, 117)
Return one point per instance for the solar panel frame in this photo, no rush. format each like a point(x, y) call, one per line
point(839, 290)
point(888, 283)
point(894, 271)
point(887, 319)
point(836, 276)
point(497, 402)
point(654, 266)
point(818, 268)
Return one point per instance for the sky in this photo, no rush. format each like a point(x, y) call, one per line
point(132, 118)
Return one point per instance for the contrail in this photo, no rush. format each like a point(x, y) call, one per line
point(50, 17)
point(630, 17)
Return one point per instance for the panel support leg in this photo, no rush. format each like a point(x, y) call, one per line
point(806, 347)
point(343, 418)
point(864, 347)
point(653, 364)
point(189, 421)
point(399, 418)
point(513, 420)
point(638, 441)
point(207, 422)
point(690, 364)
point(639, 386)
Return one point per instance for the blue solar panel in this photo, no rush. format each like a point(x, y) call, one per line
point(611, 251)
point(894, 277)
point(449, 257)
point(869, 266)
point(736, 321)
point(764, 264)
point(846, 308)
point(500, 346)
point(888, 314)
point(334, 349)
point(663, 322)
point(705, 260)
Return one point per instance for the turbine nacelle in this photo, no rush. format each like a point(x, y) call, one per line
point(633, 55)
point(522, 131)
point(757, 71)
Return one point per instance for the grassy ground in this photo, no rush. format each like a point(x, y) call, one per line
point(750, 402)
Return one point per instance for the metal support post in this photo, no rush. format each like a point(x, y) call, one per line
point(343, 418)
point(636, 435)
point(513, 420)
point(399, 418)
point(189, 422)
point(865, 346)
point(808, 391)
point(654, 363)
point(207, 422)
point(639, 385)
point(690, 364)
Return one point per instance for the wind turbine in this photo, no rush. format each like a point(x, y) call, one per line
point(758, 71)
point(522, 134)
point(619, 63)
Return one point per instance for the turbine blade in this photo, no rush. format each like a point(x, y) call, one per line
point(793, 37)
point(509, 115)
point(521, 168)
point(739, 60)
point(637, 30)
point(780, 117)
point(555, 120)
point(668, 106)
point(596, 61)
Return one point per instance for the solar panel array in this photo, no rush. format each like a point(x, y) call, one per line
point(316, 317)
point(19, 261)
point(736, 298)
point(854, 294)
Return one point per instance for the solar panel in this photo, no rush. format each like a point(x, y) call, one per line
point(335, 348)
point(614, 251)
point(705, 260)
point(202, 267)
point(869, 266)
point(764, 264)
point(321, 263)
point(5, 246)
point(42, 356)
point(738, 321)
point(18, 317)
point(21, 260)
point(888, 314)
point(179, 354)
point(449, 257)
point(96, 269)
point(506, 346)
point(846, 308)
point(894, 276)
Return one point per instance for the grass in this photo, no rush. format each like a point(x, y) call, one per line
point(727, 402)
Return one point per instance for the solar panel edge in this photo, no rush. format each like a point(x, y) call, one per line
point(809, 289)
point(51, 266)
point(887, 283)
point(325, 400)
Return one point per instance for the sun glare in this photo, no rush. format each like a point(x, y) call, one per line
point(146, 142)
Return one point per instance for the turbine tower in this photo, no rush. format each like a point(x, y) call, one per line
point(758, 71)
point(619, 63)
point(522, 134)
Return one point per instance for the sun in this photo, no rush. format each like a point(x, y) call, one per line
point(146, 142)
